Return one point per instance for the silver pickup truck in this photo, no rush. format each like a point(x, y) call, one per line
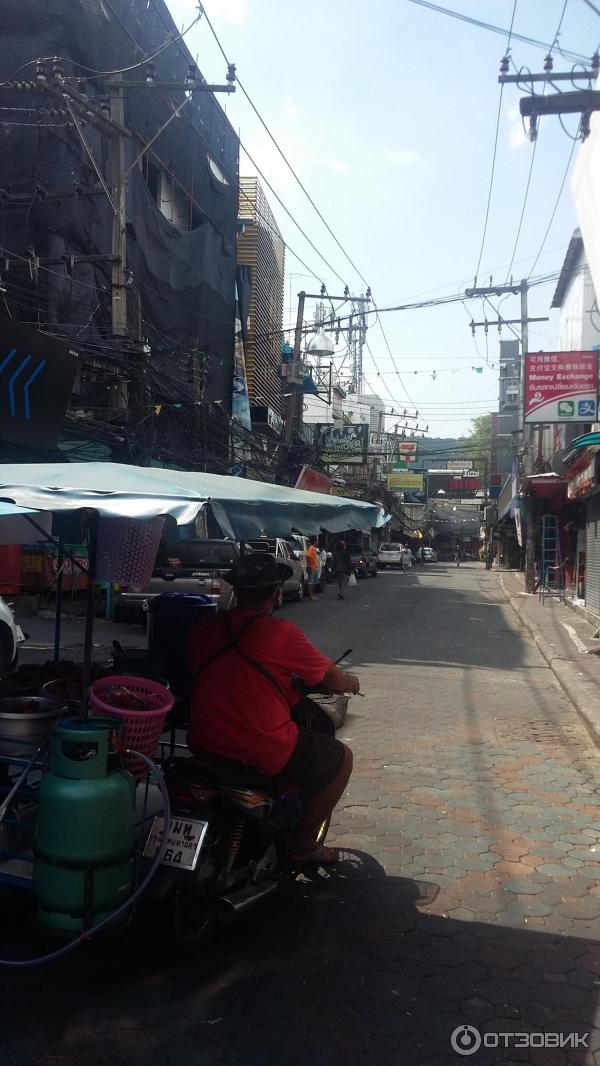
point(184, 566)
point(280, 549)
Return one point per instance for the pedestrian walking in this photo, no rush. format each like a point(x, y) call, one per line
point(458, 555)
point(322, 566)
point(342, 564)
point(312, 567)
point(421, 555)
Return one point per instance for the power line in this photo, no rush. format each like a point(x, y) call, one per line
point(576, 57)
point(495, 150)
point(277, 234)
point(533, 154)
point(554, 209)
point(306, 193)
point(519, 227)
point(106, 73)
point(284, 157)
point(543, 279)
point(290, 215)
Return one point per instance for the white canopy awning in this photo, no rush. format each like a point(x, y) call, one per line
point(242, 508)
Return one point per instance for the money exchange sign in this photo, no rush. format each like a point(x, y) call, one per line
point(561, 387)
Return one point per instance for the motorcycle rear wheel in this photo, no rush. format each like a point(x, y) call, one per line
point(193, 910)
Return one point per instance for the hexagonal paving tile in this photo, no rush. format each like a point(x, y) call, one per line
point(523, 887)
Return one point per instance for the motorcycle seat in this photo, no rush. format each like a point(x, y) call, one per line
point(215, 769)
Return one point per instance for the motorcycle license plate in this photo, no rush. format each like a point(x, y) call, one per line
point(184, 842)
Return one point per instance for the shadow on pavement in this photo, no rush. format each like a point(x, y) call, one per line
point(348, 967)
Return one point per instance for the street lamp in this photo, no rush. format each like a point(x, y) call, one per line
point(320, 346)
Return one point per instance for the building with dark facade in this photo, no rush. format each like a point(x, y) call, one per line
point(154, 328)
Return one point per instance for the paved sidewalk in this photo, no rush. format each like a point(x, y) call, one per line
point(566, 641)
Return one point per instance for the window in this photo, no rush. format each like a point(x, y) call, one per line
point(153, 176)
point(216, 171)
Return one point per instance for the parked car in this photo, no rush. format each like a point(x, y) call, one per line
point(298, 546)
point(183, 566)
point(390, 554)
point(11, 635)
point(278, 547)
point(364, 563)
point(430, 555)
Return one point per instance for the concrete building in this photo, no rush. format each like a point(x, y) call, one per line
point(509, 407)
point(149, 306)
point(578, 331)
point(261, 254)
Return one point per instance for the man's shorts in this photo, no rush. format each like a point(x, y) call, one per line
point(311, 577)
point(313, 763)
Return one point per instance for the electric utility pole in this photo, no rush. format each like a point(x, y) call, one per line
point(119, 228)
point(294, 373)
point(108, 117)
point(521, 290)
point(579, 101)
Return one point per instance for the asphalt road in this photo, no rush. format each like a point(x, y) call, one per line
point(468, 891)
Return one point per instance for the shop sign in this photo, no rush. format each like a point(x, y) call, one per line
point(262, 416)
point(407, 447)
point(582, 482)
point(561, 387)
point(313, 481)
point(343, 444)
point(519, 526)
point(36, 379)
point(470, 482)
point(401, 479)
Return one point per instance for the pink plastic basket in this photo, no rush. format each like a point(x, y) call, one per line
point(127, 549)
point(142, 730)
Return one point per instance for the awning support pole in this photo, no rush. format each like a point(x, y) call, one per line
point(90, 610)
point(59, 587)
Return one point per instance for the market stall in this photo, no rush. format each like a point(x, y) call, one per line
point(123, 509)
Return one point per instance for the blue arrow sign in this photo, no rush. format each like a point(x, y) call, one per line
point(28, 414)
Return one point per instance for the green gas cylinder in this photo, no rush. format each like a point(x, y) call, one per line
point(85, 833)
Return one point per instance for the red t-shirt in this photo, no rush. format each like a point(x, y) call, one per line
point(235, 711)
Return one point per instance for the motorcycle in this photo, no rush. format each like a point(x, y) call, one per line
point(229, 838)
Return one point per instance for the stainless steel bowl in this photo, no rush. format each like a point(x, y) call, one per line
point(26, 722)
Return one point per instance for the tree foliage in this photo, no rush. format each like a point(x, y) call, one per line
point(478, 444)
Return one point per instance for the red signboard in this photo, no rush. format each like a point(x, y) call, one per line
point(313, 481)
point(464, 484)
point(561, 387)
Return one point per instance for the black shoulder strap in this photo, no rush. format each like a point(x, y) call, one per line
point(233, 645)
point(232, 640)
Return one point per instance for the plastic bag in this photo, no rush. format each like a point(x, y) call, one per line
point(352, 582)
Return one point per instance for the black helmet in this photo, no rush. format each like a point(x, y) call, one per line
point(257, 571)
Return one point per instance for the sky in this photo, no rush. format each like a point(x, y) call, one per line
point(387, 112)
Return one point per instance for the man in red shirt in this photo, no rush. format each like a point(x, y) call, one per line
point(243, 663)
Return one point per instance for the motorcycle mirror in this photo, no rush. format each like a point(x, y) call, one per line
point(344, 655)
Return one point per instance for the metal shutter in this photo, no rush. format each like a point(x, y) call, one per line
point(592, 555)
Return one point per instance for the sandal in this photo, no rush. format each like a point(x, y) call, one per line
point(321, 856)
